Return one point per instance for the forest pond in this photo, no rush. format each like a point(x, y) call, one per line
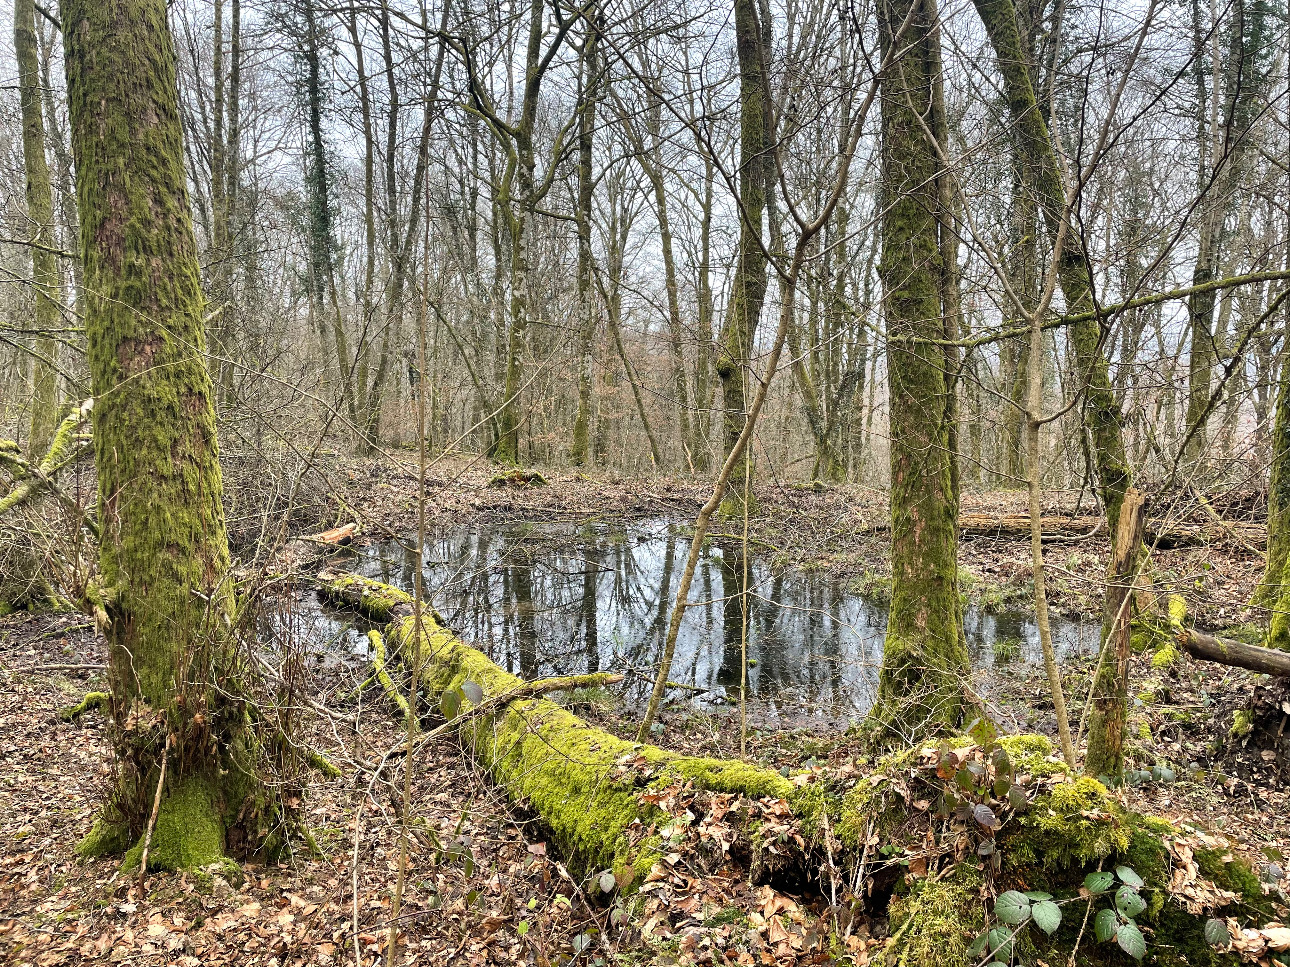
point(554, 598)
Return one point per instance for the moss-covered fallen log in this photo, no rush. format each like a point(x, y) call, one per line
point(899, 828)
point(587, 785)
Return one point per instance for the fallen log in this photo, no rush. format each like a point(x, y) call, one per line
point(586, 784)
point(1224, 651)
point(1163, 534)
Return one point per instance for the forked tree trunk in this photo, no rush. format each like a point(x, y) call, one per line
point(164, 597)
point(925, 658)
point(40, 229)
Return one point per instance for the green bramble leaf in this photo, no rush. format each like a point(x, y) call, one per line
point(1129, 901)
point(1105, 925)
point(1216, 933)
point(1012, 908)
point(1099, 882)
point(1047, 916)
point(1128, 877)
point(1131, 941)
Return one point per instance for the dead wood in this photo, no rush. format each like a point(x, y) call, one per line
point(1237, 654)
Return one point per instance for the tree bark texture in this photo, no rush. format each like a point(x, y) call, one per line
point(1110, 697)
point(925, 659)
point(164, 598)
point(1273, 591)
point(748, 287)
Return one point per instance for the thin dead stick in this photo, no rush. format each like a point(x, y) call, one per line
point(358, 835)
point(418, 592)
point(743, 612)
point(156, 808)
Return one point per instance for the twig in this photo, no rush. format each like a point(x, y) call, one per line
point(152, 820)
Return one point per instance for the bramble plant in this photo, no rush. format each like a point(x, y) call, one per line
point(1015, 911)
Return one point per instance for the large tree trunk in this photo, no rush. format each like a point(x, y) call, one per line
point(580, 447)
point(924, 656)
point(40, 229)
point(1273, 591)
point(164, 597)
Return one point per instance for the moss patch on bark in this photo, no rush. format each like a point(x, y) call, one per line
point(189, 833)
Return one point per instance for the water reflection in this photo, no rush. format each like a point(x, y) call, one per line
point(552, 598)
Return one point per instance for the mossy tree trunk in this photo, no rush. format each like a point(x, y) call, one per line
point(164, 599)
point(40, 229)
point(1274, 590)
point(924, 656)
point(748, 287)
point(580, 446)
point(1035, 147)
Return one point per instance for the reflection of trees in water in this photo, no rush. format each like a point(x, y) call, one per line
point(553, 602)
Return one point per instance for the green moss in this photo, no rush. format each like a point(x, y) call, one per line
point(375, 600)
point(1234, 873)
point(382, 675)
point(585, 784)
point(1242, 723)
point(1075, 824)
point(936, 921)
point(1146, 635)
point(108, 837)
point(1033, 755)
point(189, 832)
point(728, 916)
point(1166, 656)
point(91, 701)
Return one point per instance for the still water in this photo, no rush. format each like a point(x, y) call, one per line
point(554, 598)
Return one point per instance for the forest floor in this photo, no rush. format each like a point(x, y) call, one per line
point(484, 889)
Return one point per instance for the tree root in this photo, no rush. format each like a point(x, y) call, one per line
point(93, 701)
